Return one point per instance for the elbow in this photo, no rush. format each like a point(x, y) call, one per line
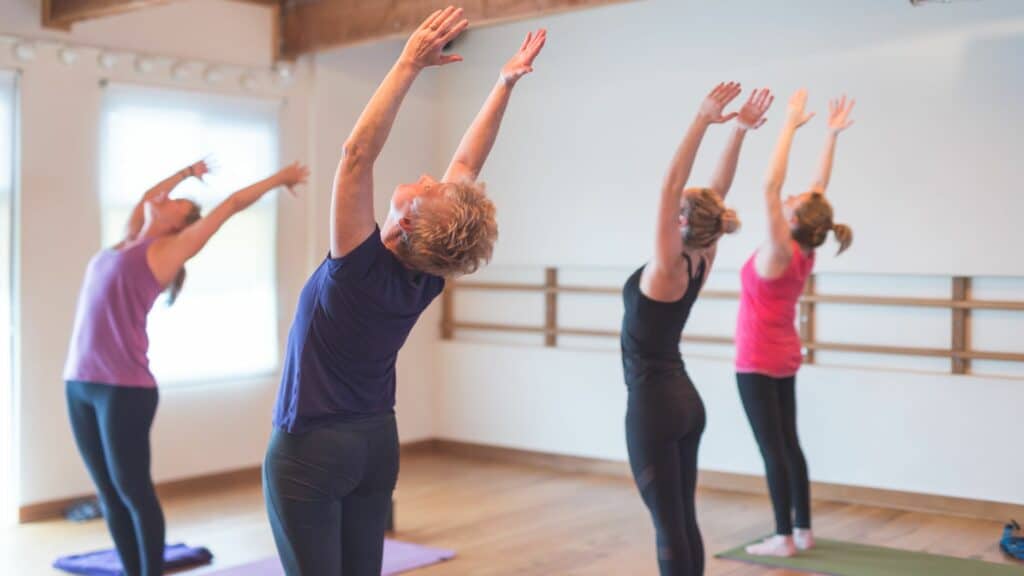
point(353, 154)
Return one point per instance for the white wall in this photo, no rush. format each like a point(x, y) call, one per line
point(590, 133)
point(925, 177)
point(201, 429)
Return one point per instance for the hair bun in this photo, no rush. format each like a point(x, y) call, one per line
point(730, 221)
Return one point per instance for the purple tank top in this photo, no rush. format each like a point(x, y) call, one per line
point(109, 344)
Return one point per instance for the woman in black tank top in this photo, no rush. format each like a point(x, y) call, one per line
point(664, 414)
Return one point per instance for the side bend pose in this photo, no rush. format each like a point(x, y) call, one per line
point(111, 394)
point(332, 462)
point(768, 349)
point(665, 415)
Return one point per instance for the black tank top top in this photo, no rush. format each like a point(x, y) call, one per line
point(651, 329)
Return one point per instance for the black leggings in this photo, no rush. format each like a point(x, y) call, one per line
point(664, 423)
point(111, 427)
point(770, 404)
point(328, 494)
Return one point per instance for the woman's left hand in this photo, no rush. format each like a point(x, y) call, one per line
point(522, 63)
point(713, 107)
point(839, 114)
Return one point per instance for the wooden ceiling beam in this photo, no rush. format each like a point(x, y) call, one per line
point(313, 25)
point(61, 14)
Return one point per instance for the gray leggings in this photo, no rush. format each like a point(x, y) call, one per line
point(328, 494)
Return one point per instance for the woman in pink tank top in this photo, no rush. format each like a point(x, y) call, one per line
point(768, 347)
point(111, 394)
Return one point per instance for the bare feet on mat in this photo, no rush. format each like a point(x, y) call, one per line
point(803, 538)
point(777, 545)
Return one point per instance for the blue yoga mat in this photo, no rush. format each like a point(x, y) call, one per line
point(108, 563)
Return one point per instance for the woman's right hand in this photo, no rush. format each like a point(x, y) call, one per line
point(292, 175)
point(797, 115)
point(424, 46)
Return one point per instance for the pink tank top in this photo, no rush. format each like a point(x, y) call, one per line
point(109, 344)
point(767, 340)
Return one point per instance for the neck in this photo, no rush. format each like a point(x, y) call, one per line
point(150, 230)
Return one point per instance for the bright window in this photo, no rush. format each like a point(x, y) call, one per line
point(7, 150)
point(224, 323)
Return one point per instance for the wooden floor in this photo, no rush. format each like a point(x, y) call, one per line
point(512, 519)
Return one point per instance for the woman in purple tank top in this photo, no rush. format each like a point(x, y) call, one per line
point(768, 348)
point(111, 394)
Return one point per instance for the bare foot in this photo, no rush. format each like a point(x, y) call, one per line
point(777, 545)
point(803, 538)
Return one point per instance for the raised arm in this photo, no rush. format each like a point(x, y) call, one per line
point(668, 259)
point(352, 202)
point(476, 144)
point(775, 255)
point(170, 253)
point(159, 192)
point(751, 117)
point(838, 120)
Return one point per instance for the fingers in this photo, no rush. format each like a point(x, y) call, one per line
point(535, 46)
point(457, 29)
point(529, 38)
point(799, 98)
point(538, 41)
point(449, 19)
point(450, 59)
point(430, 20)
point(761, 123)
point(730, 116)
point(725, 93)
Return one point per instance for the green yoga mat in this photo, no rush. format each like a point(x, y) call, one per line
point(848, 559)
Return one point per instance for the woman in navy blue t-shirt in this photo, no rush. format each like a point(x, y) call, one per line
point(332, 462)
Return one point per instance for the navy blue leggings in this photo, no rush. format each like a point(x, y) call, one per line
point(111, 427)
point(328, 494)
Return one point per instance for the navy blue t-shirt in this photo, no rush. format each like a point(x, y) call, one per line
point(353, 316)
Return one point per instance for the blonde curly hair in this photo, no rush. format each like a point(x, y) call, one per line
point(451, 234)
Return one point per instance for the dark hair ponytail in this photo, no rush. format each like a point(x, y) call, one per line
point(174, 288)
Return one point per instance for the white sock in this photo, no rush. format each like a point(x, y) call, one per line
point(803, 538)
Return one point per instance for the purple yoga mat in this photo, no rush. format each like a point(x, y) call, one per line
point(398, 557)
point(108, 563)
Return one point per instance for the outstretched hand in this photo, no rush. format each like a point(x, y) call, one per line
point(424, 46)
point(797, 114)
point(839, 114)
point(712, 108)
point(292, 175)
point(522, 63)
point(751, 115)
point(199, 169)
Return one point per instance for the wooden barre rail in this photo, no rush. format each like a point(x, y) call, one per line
point(728, 295)
point(960, 303)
